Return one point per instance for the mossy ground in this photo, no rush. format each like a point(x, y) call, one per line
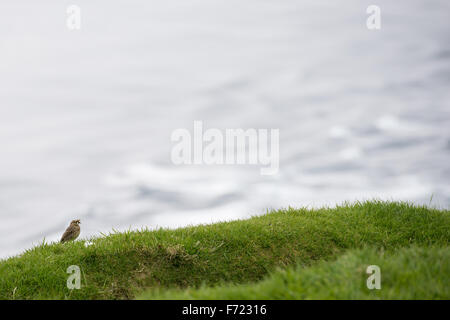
point(405, 273)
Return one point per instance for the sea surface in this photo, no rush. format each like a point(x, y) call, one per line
point(86, 115)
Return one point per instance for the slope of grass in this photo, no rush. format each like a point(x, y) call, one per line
point(407, 273)
point(121, 265)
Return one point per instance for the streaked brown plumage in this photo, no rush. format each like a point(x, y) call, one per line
point(72, 232)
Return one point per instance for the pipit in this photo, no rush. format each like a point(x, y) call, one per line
point(72, 232)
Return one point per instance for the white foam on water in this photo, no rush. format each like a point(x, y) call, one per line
point(86, 117)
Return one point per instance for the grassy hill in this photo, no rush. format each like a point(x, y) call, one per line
point(289, 254)
point(406, 273)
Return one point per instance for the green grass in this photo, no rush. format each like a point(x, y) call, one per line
point(237, 255)
point(407, 273)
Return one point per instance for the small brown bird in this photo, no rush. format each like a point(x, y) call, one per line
point(72, 232)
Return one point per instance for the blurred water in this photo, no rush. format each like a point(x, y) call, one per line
point(86, 116)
